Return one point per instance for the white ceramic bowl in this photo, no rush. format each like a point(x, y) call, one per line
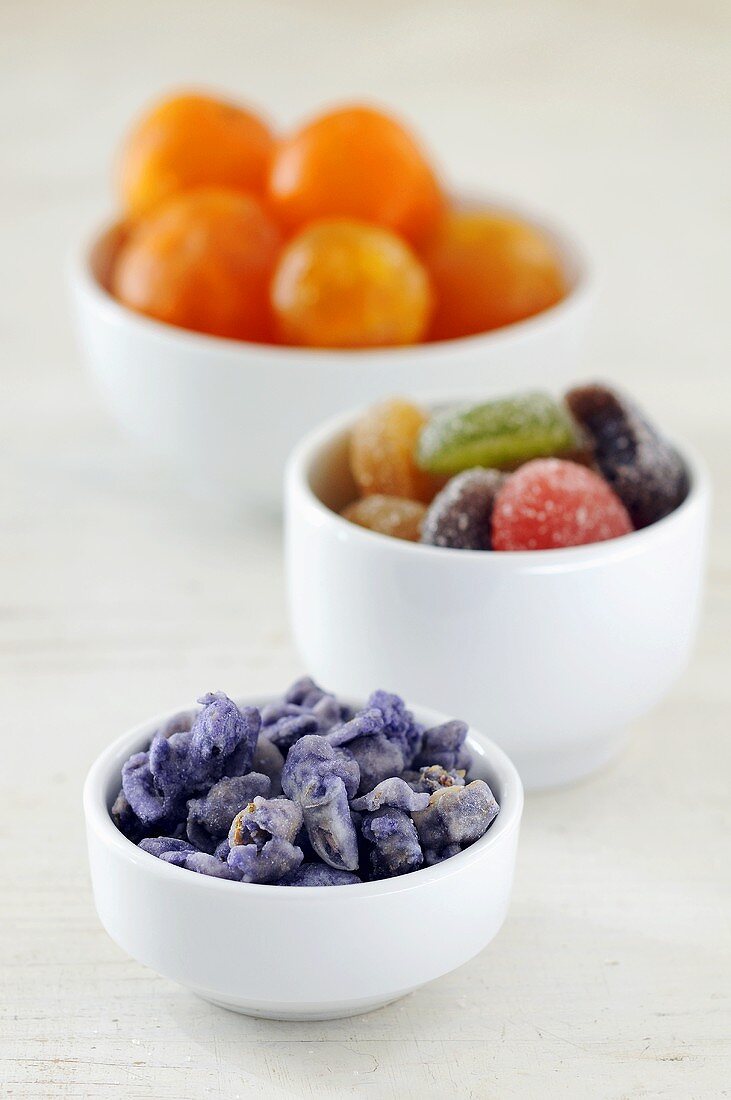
point(226, 413)
point(553, 653)
point(296, 953)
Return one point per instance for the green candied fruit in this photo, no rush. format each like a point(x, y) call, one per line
point(501, 434)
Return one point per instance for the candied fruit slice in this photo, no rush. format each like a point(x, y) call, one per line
point(646, 473)
point(550, 503)
point(394, 516)
point(382, 452)
point(460, 516)
point(501, 433)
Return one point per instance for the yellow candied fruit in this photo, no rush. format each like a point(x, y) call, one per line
point(393, 516)
point(382, 447)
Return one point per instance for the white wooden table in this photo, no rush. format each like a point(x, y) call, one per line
point(117, 599)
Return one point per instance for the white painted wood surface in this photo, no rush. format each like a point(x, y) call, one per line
point(118, 598)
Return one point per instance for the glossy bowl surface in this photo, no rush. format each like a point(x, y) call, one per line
point(226, 413)
point(553, 653)
point(296, 953)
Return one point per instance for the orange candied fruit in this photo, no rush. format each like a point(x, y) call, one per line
point(489, 270)
point(356, 162)
point(394, 516)
point(344, 284)
point(193, 140)
point(382, 446)
point(202, 260)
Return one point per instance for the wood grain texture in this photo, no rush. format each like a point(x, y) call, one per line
point(120, 597)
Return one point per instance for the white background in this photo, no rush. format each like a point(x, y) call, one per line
point(118, 599)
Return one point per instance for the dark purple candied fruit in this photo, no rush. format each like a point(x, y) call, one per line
point(460, 515)
point(646, 473)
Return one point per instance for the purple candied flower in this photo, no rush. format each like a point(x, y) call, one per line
point(321, 779)
point(395, 847)
point(391, 792)
point(126, 819)
point(169, 764)
point(210, 817)
point(200, 862)
point(318, 874)
point(269, 761)
point(267, 864)
point(151, 807)
point(444, 745)
point(222, 849)
point(179, 723)
point(290, 727)
point(377, 757)
point(265, 818)
point(432, 778)
point(431, 857)
point(366, 723)
point(399, 723)
point(219, 730)
point(304, 693)
point(456, 815)
point(329, 712)
point(159, 845)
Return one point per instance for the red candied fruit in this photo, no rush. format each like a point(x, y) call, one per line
point(550, 503)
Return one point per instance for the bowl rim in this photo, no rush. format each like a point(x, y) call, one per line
point(109, 761)
point(297, 484)
point(82, 277)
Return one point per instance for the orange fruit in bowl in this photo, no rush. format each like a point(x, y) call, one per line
point(202, 260)
point(345, 284)
point(192, 140)
point(359, 163)
point(488, 270)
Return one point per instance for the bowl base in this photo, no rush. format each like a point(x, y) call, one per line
point(290, 1012)
point(557, 768)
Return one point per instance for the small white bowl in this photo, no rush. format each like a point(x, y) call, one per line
point(301, 953)
point(226, 413)
point(553, 652)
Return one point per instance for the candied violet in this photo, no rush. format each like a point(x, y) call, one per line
point(391, 792)
point(318, 874)
point(159, 845)
point(264, 818)
point(399, 725)
point(200, 862)
point(210, 817)
point(365, 723)
point(431, 778)
point(266, 864)
point(456, 815)
point(126, 819)
point(153, 808)
point(220, 730)
point(377, 757)
point(321, 779)
point(444, 745)
point(222, 849)
point(269, 761)
point(395, 847)
point(290, 727)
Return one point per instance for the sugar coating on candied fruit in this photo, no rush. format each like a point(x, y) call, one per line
point(551, 503)
point(382, 445)
point(456, 815)
point(460, 516)
point(645, 471)
point(496, 434)
point(354, 794)
point(393, 516)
